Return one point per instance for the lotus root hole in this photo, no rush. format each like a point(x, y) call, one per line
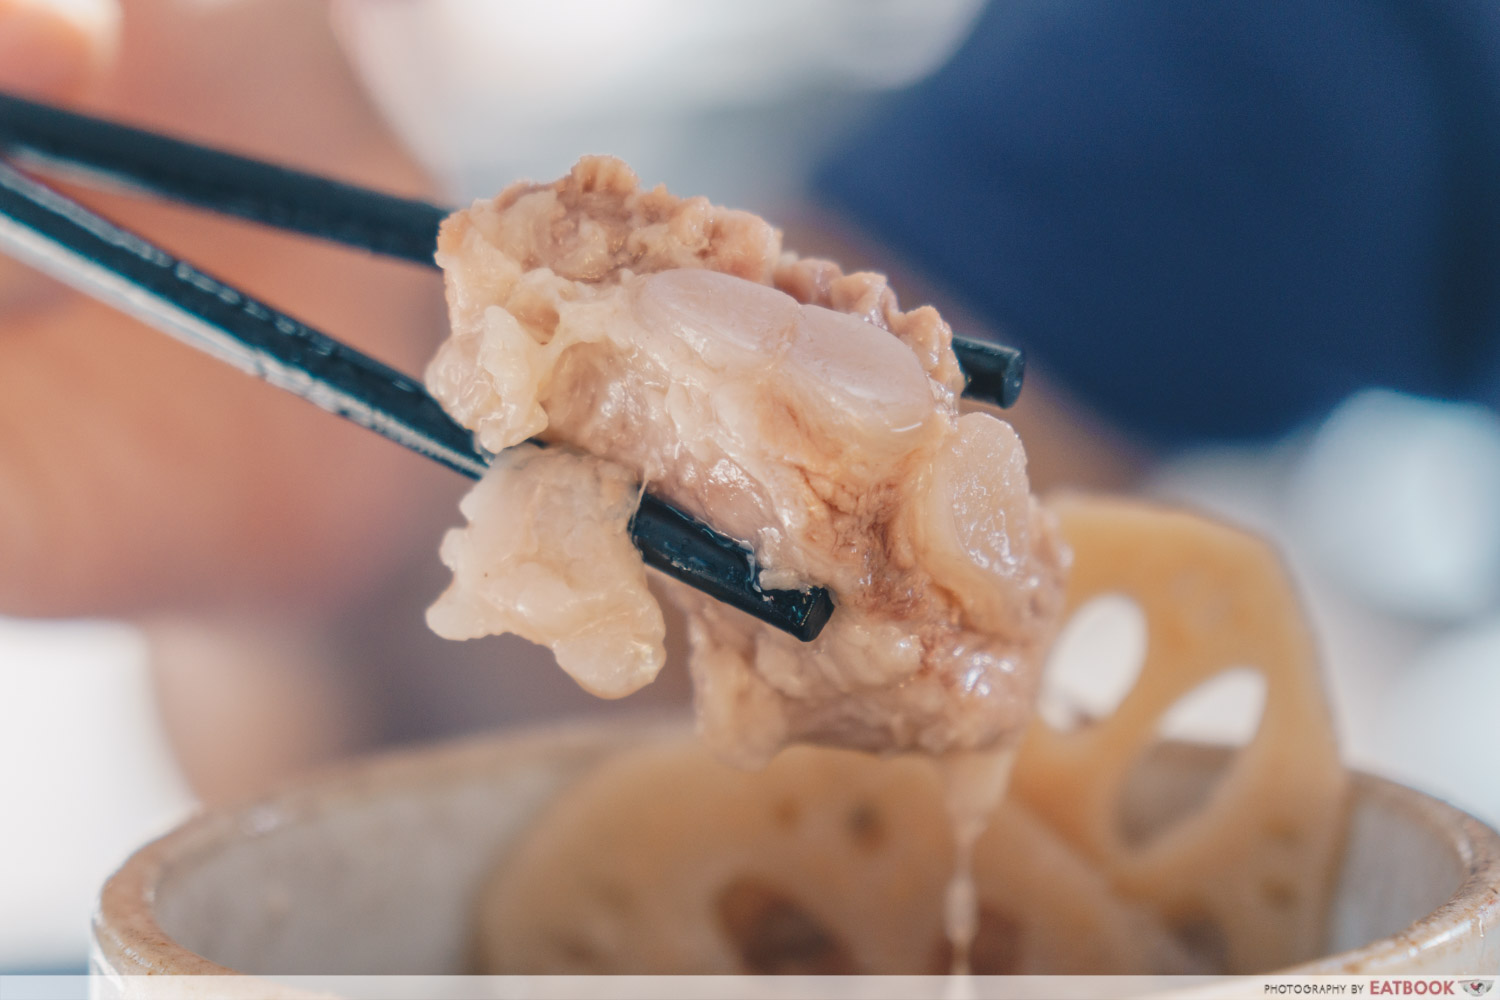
point(1094, 663)
point(867, 826)
point(1205, 941)
point(1174, 777)
point(775, 935)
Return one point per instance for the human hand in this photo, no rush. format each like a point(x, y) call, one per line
point(54, 51)
point(136, 475)
point(51, 52)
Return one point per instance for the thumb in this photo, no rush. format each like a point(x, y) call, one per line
point(55, 49)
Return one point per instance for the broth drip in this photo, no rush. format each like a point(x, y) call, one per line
point(974, 782)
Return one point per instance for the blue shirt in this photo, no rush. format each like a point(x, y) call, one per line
point(1210, 220)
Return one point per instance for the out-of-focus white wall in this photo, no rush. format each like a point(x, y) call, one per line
point(85, 778)
point(732, 100)
point(1389, 517)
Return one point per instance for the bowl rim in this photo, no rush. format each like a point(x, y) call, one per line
point(124, 925)
point(1476, 900)
point(127, 938)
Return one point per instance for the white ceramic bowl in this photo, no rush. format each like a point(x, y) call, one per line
point(373, 869)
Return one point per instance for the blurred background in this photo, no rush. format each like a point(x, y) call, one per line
point(1252, 250)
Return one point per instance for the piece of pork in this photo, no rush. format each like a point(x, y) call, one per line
point(541, 526)
point(792, 407)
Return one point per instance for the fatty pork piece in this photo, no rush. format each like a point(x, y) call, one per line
point(791, 406)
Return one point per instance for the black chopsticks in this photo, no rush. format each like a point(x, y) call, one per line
point(104, 151)
point(62, 238)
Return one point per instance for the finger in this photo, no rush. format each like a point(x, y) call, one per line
point(55, 49)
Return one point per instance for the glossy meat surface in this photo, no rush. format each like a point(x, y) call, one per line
point(546, 555)
point(792, 407)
